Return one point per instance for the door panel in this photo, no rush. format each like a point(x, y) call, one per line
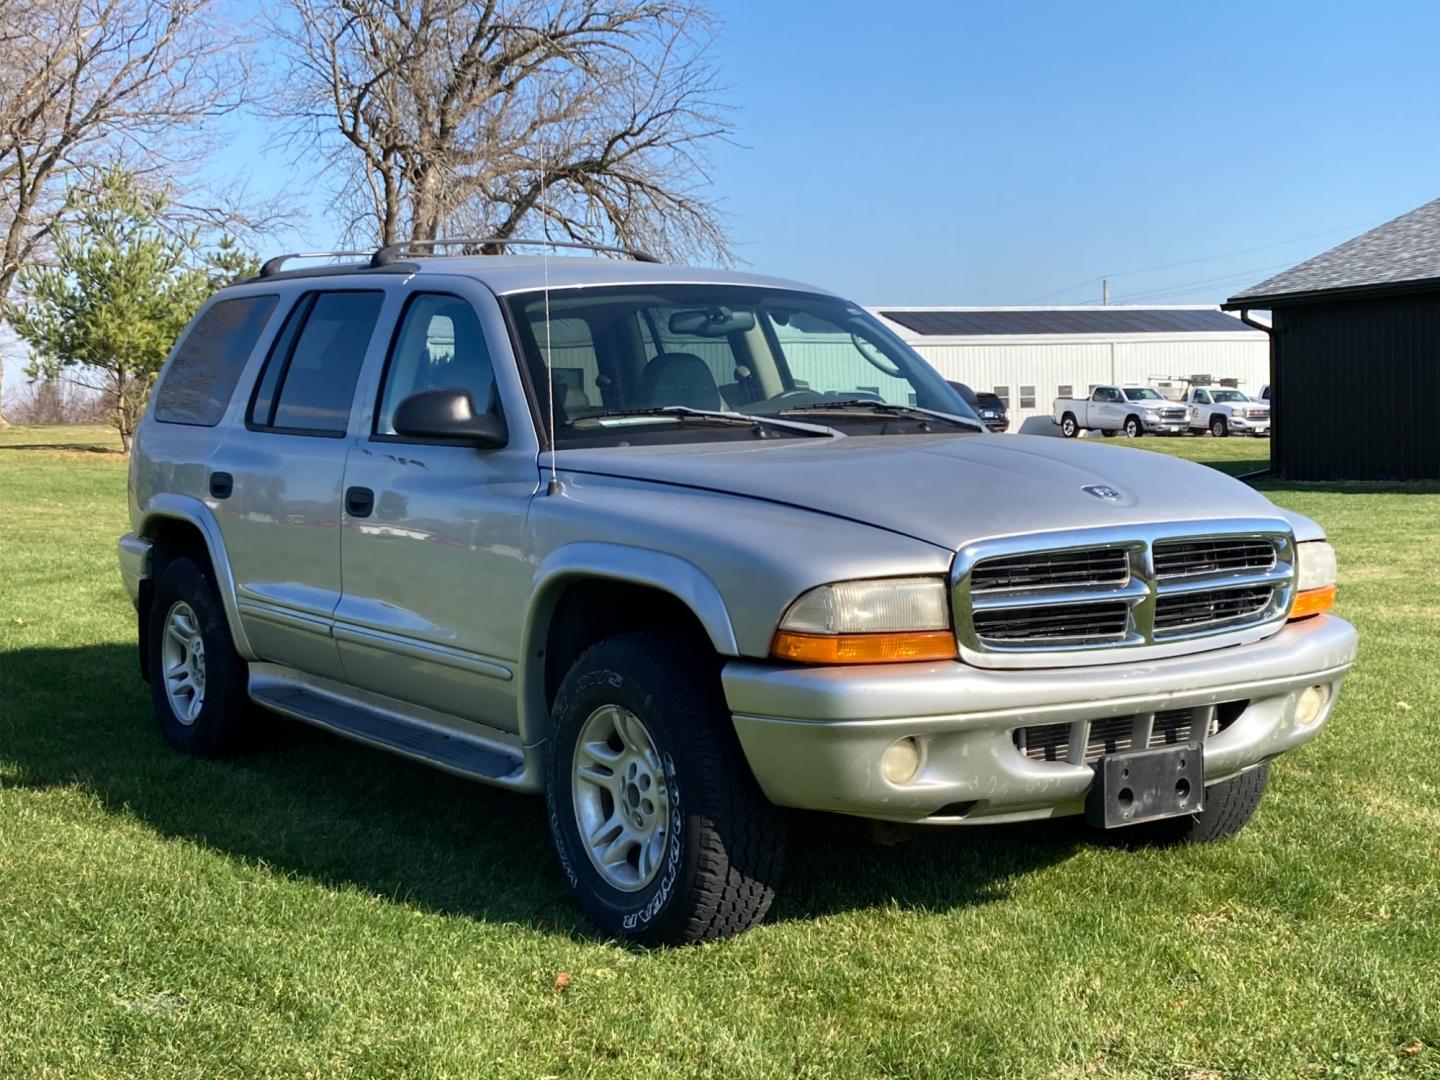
point(281, 520)
point(436, 574)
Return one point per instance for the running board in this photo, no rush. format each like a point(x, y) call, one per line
point(388, 729)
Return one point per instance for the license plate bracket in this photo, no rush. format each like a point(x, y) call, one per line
point(1147, 785)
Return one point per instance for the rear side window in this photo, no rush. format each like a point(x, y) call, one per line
point(202, 375)
point(309, 378)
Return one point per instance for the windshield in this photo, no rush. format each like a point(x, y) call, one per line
point(1227, 395)
point(740, 349)
point(1142, 393)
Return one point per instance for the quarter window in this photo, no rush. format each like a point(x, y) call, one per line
point(440, 347)
point(202, 375)
point(309, 379)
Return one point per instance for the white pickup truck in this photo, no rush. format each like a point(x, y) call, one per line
point(1223, 411)
point(1134, 410)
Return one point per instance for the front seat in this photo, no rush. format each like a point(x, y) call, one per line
point(678, 378)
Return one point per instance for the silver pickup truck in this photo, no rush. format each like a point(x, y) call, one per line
point(680, 548)
point(1131, 411)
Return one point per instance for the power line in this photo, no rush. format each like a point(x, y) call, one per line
point(1207, 258)
point(1187, 286)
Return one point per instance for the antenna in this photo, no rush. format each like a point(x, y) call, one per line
point(553, 486)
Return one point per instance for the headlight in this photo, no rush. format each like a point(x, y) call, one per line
point(1316, 573)
point(868, 622)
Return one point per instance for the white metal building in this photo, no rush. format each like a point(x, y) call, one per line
point(1029, 355)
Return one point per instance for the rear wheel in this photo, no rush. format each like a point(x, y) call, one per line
point(1068, 426)
point(1229, 806)
point(197, 679)
point(1133, 428)
point(658, 824)
point(1218, 427)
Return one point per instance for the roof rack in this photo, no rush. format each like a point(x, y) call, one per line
point(393, 252)
point(271, 267)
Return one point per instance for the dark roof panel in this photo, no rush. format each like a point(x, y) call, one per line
point(1406, 249)
point(1099, 320)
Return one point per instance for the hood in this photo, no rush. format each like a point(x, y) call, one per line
point(948, 490)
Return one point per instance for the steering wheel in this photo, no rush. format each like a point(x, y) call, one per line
point(874, 357)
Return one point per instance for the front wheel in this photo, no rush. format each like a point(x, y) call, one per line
point(1068, 427)
point(1218, 427)
point(658, 824)
point(1133, 428)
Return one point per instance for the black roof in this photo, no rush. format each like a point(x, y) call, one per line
point(1098, 320)
point(1401, 255)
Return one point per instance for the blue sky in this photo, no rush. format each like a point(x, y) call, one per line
point(923, 152)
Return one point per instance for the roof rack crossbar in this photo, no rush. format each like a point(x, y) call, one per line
point(392, 252)
point(273, 266)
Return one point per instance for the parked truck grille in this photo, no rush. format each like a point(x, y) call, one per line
point(1052, 569)
point(1211, 608)
point(1086, 741)
point(1172, 414)
point(1180, 558)
point(1121, 589)
point(1068, 623)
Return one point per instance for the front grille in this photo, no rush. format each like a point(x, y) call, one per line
point(1063, 742)
point(1190, 611)
point(1052, 569)
point(1120, 588)
point(1219, 555)
point(1056, 623)
point(1172, 414)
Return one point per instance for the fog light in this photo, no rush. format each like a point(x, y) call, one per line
point(901, 761)
point(1311, 704)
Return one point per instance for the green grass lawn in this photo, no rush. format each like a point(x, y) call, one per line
point(320, 909)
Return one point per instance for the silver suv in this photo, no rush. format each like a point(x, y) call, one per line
point(680, 548)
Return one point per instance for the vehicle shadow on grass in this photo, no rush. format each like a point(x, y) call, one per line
point(341, 814)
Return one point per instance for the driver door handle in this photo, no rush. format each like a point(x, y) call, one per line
point(359, 501)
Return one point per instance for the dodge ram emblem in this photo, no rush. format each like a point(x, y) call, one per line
point(1100, 491)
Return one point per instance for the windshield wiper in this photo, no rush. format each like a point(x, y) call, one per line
point(880, 408)
point(685, 414)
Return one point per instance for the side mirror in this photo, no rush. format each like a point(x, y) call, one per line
point(449, 414)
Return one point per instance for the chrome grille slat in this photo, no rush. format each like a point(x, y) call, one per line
point(1190, 611)
point(1179, 558)
point(1055, 622)
point(1052, 569)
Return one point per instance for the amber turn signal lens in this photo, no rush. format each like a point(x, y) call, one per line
point(1313, 602)
point(864, 648)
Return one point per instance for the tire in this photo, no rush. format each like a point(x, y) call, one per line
point(714, 866)
point(1229, 806)
point(1218, 427)
point(1068, 427)
point(1133, 428)
point(186, 598)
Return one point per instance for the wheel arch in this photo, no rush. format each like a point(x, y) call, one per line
point(588, 590)
point(179, 525)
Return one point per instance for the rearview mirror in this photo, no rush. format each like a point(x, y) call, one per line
point(712, 322)
point(449, 414)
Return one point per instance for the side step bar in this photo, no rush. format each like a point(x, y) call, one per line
point(433, 743)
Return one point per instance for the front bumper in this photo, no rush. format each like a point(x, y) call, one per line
point(134, 552)
point(1241, 426)
point(814, 737)
point(1165, 427)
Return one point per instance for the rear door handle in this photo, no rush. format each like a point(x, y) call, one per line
point(359, 501)
point(221, 484)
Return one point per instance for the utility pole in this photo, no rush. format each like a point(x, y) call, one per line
point(1105, 292)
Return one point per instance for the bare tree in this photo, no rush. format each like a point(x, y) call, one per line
point(497, 116)
point(86, 85)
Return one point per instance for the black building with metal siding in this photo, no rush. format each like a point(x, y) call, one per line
point(1355, 356)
